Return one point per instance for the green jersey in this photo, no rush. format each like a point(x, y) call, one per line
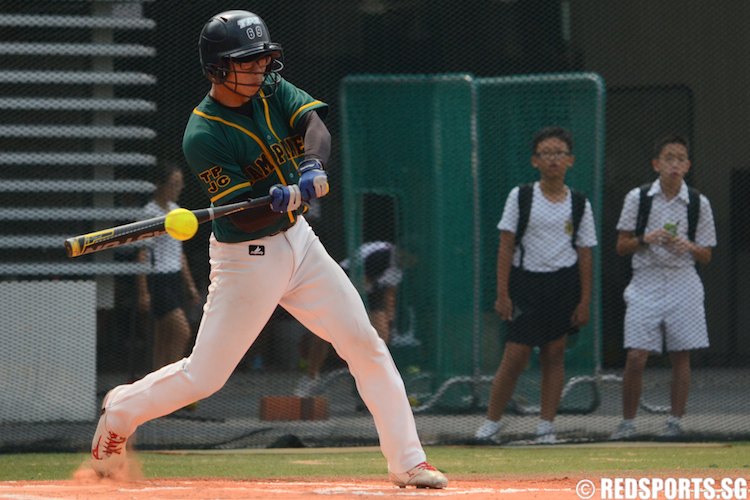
point(241, 153)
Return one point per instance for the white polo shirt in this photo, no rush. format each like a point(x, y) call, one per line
point(546, 241)
point(166, 252)
point(663, 212)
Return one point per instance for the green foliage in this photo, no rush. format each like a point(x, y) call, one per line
point(464, 461)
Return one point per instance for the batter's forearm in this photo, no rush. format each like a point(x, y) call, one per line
point(317, 138)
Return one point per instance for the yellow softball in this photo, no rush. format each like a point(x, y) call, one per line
point(181, 224)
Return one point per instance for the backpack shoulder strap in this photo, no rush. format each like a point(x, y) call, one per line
point(644, 209)
point(578, 206)
point(525, 195)
point(694, 210)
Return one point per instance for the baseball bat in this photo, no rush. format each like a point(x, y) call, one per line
point(150, 228)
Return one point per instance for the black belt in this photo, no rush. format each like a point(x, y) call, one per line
point(282, 230)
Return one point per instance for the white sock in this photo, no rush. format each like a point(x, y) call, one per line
point(673, 420)
point(628, 421)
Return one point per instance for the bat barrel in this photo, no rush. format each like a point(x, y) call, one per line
point(142, 230)
point(114, 237)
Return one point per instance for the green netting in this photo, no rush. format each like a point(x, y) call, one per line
point(510, 111)
point(416, 140)
point(409, 139)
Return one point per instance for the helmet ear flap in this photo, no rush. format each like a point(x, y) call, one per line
point(217, 73)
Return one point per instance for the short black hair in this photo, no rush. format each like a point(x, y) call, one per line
point(377, 263)
point(550, 132)
point(665, 140)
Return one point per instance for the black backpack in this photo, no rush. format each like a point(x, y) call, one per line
point(525, 197)
point(644, 209)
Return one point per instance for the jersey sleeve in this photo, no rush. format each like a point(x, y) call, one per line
point(218, 173)
point(296, 102)
point(629, 213)
point(509, 220)
point(587, 231)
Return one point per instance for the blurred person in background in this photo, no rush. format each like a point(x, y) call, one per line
point(668, 228)
point(163, 292)
point(544, 279)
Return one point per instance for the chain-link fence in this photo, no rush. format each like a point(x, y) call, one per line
point(433, 108)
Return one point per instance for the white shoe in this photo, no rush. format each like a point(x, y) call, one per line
point(672, 429)
point(307, 387)
point(488, 429)
point(108, 452)
point(545, 433)
point(423, 475)
point(626, 430)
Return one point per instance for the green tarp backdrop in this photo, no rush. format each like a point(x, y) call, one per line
point(428, 162)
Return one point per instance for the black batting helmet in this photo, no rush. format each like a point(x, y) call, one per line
point(238, 35)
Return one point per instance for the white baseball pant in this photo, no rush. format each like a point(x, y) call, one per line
point(297, 273)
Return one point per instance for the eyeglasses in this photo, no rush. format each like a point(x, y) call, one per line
point(674, 159)
point(552, 155)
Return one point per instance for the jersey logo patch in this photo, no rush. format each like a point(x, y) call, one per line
point(256, 250)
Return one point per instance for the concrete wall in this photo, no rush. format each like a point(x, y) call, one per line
point(702, 45)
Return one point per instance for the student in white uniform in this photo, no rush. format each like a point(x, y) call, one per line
point(544, 277)
point(665, 295)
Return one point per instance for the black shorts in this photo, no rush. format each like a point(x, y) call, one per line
point(543, 304)
point(166, 292)
point(376, 298)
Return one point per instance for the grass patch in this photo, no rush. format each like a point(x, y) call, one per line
point(465, 461)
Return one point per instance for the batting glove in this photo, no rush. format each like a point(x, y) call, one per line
point(313, 181)
point(285, 198)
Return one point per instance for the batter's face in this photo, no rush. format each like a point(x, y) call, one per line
point(243, 81)
point(245, 78)
point(552, 158)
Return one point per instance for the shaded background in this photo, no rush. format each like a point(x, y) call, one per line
point(667, 67)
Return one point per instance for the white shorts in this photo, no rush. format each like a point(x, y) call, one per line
point(665, 305)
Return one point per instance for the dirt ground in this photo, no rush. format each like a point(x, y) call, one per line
point(174, 488)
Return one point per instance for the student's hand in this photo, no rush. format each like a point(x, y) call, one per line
point(659, 237)
point(678, 245)
point(580, 315)
point(504, 307)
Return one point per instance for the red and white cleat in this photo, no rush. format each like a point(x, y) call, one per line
point(107, 448)
point(423, 475)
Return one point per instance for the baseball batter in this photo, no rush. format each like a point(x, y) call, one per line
point(256, 134)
